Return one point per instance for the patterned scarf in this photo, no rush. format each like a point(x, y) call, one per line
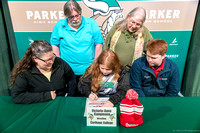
point(138, 46)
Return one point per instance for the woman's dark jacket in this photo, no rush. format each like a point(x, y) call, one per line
point(32, 86)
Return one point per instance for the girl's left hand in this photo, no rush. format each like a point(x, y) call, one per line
point(108, 104)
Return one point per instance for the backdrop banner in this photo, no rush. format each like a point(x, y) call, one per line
point(171, 20)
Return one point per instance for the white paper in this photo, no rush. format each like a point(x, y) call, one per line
point(101, 116)
point(97, 103)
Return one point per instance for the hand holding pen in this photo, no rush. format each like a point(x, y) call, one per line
point(93, 96)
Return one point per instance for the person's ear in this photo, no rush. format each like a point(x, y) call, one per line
point(34, 59)
point(163, 56)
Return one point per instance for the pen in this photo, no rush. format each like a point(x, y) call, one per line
point(95, 98)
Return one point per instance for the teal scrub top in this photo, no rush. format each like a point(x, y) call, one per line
point(77, 48)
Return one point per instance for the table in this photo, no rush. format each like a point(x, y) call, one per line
point(66, 115)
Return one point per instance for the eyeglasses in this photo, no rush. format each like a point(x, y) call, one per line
point(75, 16)
point(50, 59)
point(134, 23)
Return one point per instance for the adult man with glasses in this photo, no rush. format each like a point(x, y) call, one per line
point(76, 39)
point(155, 75)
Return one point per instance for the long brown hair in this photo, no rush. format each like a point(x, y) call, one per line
point(108, 58)
point(37, 48)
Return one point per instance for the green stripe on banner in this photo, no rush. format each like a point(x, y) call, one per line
point(23, 40)
point(178, 43)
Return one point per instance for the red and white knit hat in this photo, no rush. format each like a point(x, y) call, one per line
point(131, 110)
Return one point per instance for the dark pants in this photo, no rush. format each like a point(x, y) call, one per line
point(77, 93)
